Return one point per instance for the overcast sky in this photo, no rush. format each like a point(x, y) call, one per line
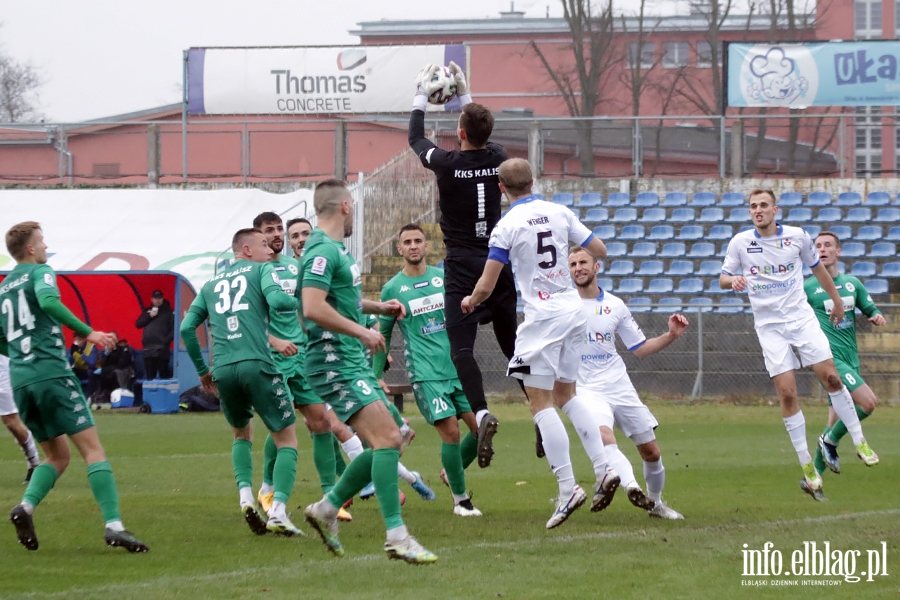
point(100, 58)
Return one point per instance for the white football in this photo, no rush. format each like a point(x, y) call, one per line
point(447, 90)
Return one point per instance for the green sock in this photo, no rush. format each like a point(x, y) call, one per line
point(270, 451)
point(384, 475)
point(242, 462)
point(103, 485)
point(356, 477)
point(453, 465)
point(468, 449)
point(395, 413)
point(42, 481)
point(818, 461)
point(840, 430)
point(323, 457)
point(339, 463)
point(284, 473)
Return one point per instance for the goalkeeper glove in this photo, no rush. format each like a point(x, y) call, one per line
point(424, 85)
point(462, 87)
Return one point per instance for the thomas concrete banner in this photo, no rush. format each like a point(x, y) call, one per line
point(814, 74)
point(290, 81)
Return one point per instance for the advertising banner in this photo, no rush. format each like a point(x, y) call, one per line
point(311, 81)
point(814, 74)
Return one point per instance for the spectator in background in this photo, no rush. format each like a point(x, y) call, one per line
point(158, 323)
point(117, 370)
point(85, 359)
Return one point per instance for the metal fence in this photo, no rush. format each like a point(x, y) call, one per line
point(717, 357)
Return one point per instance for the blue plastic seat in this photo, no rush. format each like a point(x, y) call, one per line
point(731, 305)
point(713, 287)
point(620, 267)
point(712, 214)
point(690, 285)
point(876, 286)
point(440, 264)
point(596, 215)
point(799, 214)
point(828, 215)
point(893, 234)
point(720, 232)
point(605, 232)
point(699, 304)
point(650, 268)
point(863, 268)
point(890, 270)
point(617, 199)
point(812, 230)
point(723, 250)
point(710, 268)
point(632, 232)
point(606, 283)
point(818, 199)
point(853, 250)
point(732, 199)
point(682, 215)
point(681, 267)
point(691, 233)
point(887, 215)
point(883, 250)
point(675, 199)
point(842, 231)
point(673, 250)
point(642, 249)
point(868, 233)
point(701, 199)
point(860, 214)
point(790, 199)
point(849, 199)
point(615, 249)
point(878, 199)
point(646, 199)
point(661, 232)
point(630, 285)
point(589, 199)
point(662, 285)
point(639, 305)
point(653, 215)
point(669, 304)
point(739, 215)
point(563, 198)
point(746, 228)
point(625, 215)
point(702, 250)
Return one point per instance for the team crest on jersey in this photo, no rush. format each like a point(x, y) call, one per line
point(754, 247)
point(784, 243)
point(420, 285)
point(318, 266)
point(481, 229)
point(849, 287)
point(357, 275)
point(606, 310)
point(330, 358)
point(404, 288)
point(232, 323)
point(330, 375)
point(292, 269)
point(437, 281)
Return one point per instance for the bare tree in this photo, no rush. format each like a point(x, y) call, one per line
point(638, 72)
point(581, 81)
point(18, 91)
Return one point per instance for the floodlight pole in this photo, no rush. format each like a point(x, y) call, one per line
point(184, 105)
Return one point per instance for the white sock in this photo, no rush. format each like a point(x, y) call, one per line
point(556, 447)
point(458, 499)
point(655, 477)
point(246, 494)
point(620, 463)
point(480, 415)
point(589, 432)
point(29, 508)
point(846, 412)
point(397, 534)
point(278, 510)
point(328, 508)
point(115, 526)
point(31, 452)
point(353, 447)
point(796, 428)
point(266, 488)
point(404, 474)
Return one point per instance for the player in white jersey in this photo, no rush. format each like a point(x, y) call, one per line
point(767, 263)
point(9, 414)
point(604, 384)
point(534, 236)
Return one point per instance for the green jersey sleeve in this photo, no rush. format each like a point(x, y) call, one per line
point(196, 314)
point(864, 300)
point(318, 268)
point(45, 282)
point(275, 295)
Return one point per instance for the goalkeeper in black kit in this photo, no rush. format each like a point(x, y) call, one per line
point(469, 198)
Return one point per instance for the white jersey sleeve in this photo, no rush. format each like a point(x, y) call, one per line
point(808, 253)
point(732, 264)
point(578, 233)
point(629, 331)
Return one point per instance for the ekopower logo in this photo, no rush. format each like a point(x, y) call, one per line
point(813, 564)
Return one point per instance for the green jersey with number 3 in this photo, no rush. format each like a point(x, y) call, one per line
point(841, 337)
point(37, 351)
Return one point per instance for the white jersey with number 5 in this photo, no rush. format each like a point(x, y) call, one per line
point(534, 236)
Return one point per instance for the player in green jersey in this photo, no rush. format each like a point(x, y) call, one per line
point(842, 339)
point(237, 303)
point(439, 394)
point(338, 371)
point(46, 392)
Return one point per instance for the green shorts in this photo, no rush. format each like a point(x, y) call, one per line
point(347, 393)
point(440, 399)
point(53, 407)
point(254, 385)
point(292, 369)
point(849, 375)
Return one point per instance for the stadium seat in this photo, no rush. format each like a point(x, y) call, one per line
point(675, 199)
point(723, 250)
point(691, 232)
point(630, 285)
point(713, 287)
point(853, 250)
point(860, 214)
point(615, 249)
point(620, 267)
point(878, 199)
point(712, 214)
point(701, 199)
point(812, 230)
point(818, 199)
point(606, 283)
point(730, 199)
point(661, 232)
point(632, 232)
point(673, 250)
point(625, 215)
point(710, 268)
point(739, 215)
point(887, 215)
point(798, 215)
point(641, 249)
point(690, 286)
point(617, 199)
point(863, 268)
point(650, 268)
point(563, 199)
point(682, 215)
point(681, 267)
point(702, 250)
point(876, 286)
point(842, 231)
point(828, 214)
point(669, 304)
point(636, 305)
point(731, 305)
point(841, 266)
point(868, 233)
point(790, 199)
point(720, 232)
point(883, 250)
point(646, 199)
point(746, 228)
point(849, 199)
point(699, 304)
point(440, 264)
point(654, 215)
point(662, 285)
point(893, 234)
point(605, 232)
point(890, 270)
point(596, 215)
point(589, 199)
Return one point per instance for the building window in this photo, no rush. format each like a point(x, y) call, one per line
point(867, 19)
point(646, 54)
point(867, 141)
point(704, 54)
point(675, 54)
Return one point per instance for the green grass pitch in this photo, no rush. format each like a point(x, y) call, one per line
point(730, 470)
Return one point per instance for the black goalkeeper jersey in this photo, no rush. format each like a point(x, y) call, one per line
point(468, 189)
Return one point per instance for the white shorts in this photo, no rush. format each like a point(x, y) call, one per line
point(625, 410)
point(7, 403)
point(780, 342)
point(549, 349)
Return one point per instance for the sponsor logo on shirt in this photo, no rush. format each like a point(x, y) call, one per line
point(327, 335)
point(433, 327)
point(419, 285)
point(78, 407)
point(330, 375)
point(318, 266)
point(81, 420)
point(73, 395)
point(543, 294)
point(234, 336)
point(404, 288)
point(276, 380)
point(819, 291)
point(330, 358)
point(328, 348)
point(598, 337)
point(518, 361)
point(597, 357)
point(343, 394)
point(754, 247)
point(286, 414)
point(771, 288)
point(771, 269)
point(421, 306)
point(350, 405)
point(48, 279)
